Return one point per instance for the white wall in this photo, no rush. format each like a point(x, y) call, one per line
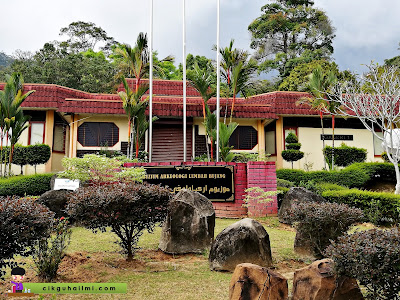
point(311, 145)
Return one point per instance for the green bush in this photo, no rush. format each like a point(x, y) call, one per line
point(293, 146)
point(31, 185)
point(293, 152)
point(345, 155)
point(49, 252)
point(281, 194)
point(284, 183)
point(38, 154)
point(356, 177)
point(319, 223)
point(373, 258)
point(378, 207)
point(385, 157)
point(128, 208)
point(22, 222)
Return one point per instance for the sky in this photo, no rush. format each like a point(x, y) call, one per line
point(366, 30)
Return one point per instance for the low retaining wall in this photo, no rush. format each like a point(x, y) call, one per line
point(246, 175)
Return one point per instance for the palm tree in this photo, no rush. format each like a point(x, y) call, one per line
point(137, 61)
point(203, 81)
point(225, 132)
point(241, 79)
point(135, 107)
point(318, 85)
point(13, 122)
point(231, 59)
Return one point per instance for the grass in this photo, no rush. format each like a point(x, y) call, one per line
point(94, 257)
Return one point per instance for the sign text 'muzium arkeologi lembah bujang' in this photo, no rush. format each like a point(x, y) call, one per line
point(214, 182)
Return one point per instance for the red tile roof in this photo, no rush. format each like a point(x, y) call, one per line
point(167, 101)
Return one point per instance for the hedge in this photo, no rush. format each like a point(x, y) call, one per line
point(357, 175)
point(378, 207)
point(31, 185)
point(345, 155)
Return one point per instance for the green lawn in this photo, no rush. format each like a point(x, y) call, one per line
point(153, 275)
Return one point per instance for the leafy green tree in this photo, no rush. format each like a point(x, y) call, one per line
point(53, 64)
point(319, 85)
point(204, 83)
point(285, 30)
point(13, 121)
point(135, 107)
point(225, 132)
point(237, 72)
point(85, 35)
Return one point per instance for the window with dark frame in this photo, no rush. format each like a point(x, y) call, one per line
point(244, 138)
point(98, 134)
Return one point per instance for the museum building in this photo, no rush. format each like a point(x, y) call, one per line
point(74, 123)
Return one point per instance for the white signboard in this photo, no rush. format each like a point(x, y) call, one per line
point(66, 184)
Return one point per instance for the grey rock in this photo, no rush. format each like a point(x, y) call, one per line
point(189, 227)
point(296, 193)
point(56, 201)
point(245, 241)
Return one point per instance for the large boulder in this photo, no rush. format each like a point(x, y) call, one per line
point(245, 241)
point(318, 282)
point(56, 201)
point(299, 194)
point(190, 223)
point(251, 281)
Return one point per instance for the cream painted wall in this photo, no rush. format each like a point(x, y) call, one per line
point(120, 121)
point(311, 145)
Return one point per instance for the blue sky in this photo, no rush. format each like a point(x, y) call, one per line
point(365, 30)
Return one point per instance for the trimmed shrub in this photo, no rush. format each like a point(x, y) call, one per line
point(38, 154)
point(293, 146)
point(32, 185)
point(292, 153)
point(345, 155)
point(373, 258)
point(22, 222)
point(319, 223)
point(385, 157)
point(378, 207)
point(356, 177)
point(49, 252)
point(20, 156)
point(128, 208)
point(320, 187)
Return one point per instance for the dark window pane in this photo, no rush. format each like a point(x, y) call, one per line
point(244, 138)
point(98, 134)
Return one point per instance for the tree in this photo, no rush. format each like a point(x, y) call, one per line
point(285, 30)
point(293, 152)
point(225, 132)
point(135, 106)
point(204, 83)
point(137, 61)
point(13, 122)
point(237, 72)
point(22, 222)
point(127, 208)
point(378, 110)
point(53, 64)
point(85, 35)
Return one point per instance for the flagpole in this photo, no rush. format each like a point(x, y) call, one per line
point(184, 84)
point(218, 80)
point(151, 83)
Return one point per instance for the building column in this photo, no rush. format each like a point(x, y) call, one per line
point(48, 137)
point(279, 142)
point(261, 138)
point(73, 135)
